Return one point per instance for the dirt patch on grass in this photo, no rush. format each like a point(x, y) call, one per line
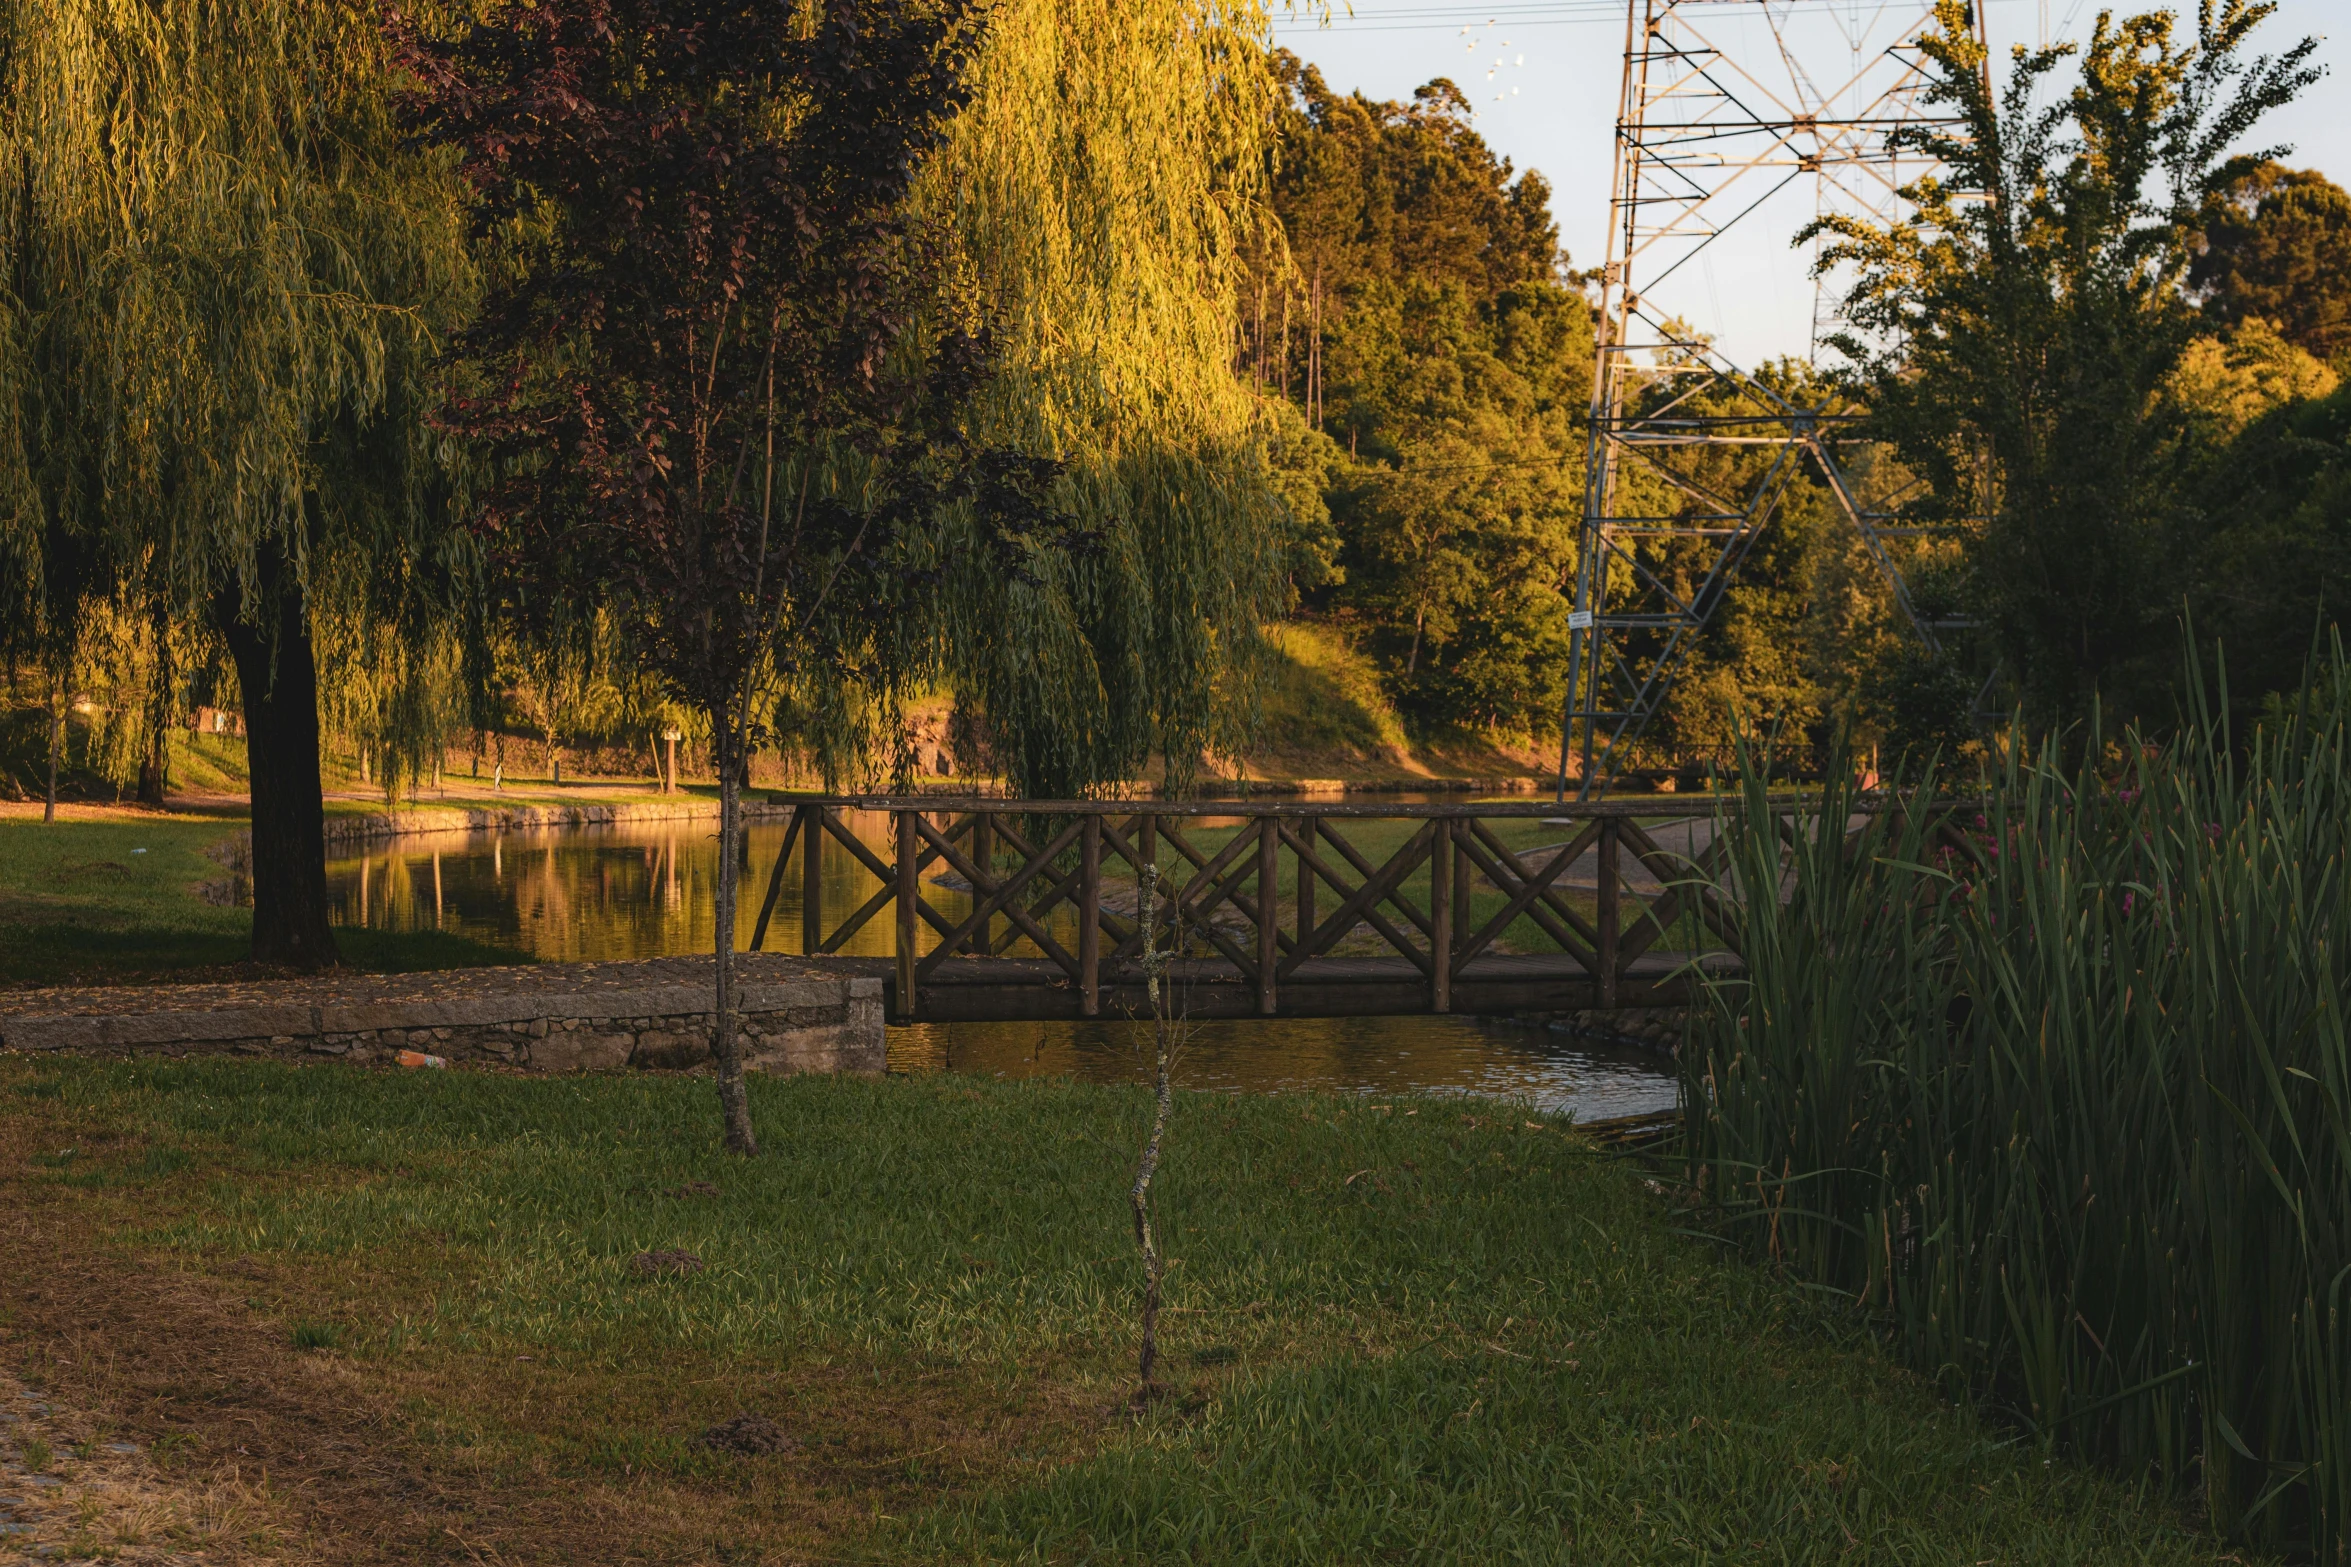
point(313, 1454)
point(754, 1436)
point(72, 1488)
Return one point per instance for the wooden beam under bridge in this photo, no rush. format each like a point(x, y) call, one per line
point(989, 990)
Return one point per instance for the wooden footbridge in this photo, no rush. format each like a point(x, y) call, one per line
point(1004, 909)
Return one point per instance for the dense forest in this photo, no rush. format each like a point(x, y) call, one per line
point(1436, 346)
point(1357, 401)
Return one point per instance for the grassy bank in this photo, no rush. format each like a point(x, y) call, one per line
point(1412, 1331)
point(114, 900)
point(1325, 716)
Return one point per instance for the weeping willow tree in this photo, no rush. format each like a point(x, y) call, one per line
point(394, 684)
point(1104, 184)
point(222, 283)
point(133, 657)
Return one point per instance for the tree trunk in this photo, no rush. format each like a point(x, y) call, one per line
point(1162, 1105)
point(726, 1052)
point(279, 674)
point(155, 768)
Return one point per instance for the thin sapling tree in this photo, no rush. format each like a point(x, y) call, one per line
point(1163, 1053)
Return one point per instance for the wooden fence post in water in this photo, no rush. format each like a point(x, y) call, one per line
point(812, 882)
point(1090, 918)
point(1441, 916)
point(909, 891)
point(1269, 883)
point(1611, 908)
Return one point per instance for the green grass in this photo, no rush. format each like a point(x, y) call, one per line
point(94, 902)
point(1400, 1330)
point(317, 1335)
point(1323, 701)
point(202, 763)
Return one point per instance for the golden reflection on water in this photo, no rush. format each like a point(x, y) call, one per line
point(602, 894)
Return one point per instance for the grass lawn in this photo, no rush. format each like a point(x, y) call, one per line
point(113, 900)
point(1409, 1331)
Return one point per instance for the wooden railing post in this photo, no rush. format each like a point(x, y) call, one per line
point(812, 839)
point(909, 890)
point(1269, 883)
point(1611, 900)
point(1441, 916)
point(1090, 918)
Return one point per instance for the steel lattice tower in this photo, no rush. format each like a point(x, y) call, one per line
point(1689, 454)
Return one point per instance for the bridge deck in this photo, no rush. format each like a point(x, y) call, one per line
point(1037, 989)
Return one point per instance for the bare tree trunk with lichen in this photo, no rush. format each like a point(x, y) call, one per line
point(726, 1051)
point(1163, 1102)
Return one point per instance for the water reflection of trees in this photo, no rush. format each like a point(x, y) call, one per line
point(597, 893)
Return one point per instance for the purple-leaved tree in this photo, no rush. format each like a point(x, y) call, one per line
point(717, 379)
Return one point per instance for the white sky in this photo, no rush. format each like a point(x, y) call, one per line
point(1555, 112)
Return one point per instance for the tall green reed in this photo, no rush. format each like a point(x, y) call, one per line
point(2052, 1075)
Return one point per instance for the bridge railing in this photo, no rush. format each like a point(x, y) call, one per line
point(1005, 908)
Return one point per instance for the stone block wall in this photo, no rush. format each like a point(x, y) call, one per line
point(795, 1025)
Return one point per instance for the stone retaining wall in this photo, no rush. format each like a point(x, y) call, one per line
point(611, 1016)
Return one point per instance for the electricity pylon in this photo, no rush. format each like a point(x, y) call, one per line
point(1725, 104)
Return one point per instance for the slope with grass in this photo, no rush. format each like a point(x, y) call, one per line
point(1401, 1330)
point(115, 900)
point(1325, 716)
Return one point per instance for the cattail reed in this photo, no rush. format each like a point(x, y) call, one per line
point(2049, 1073)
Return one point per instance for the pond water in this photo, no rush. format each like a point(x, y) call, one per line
point(642, 890)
